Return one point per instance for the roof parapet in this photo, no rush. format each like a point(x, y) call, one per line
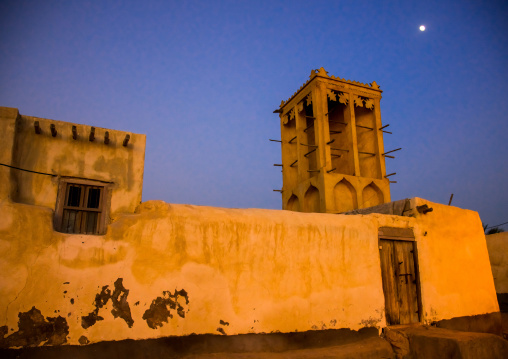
point(321, 72)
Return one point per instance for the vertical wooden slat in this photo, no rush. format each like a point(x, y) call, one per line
point(396, 271)
point(100, 197)
point(65, 221)
point(95, 228)
point(403, 288)
point(88, 225)
point(83, 203)
point(64, 225)
point(92, 216)
point(84, 196)
point(413, 300)
point(101, 217)
point(389, 281)
point(91, 222)
point(71, 222)
point(77, 222)
point(67, 189)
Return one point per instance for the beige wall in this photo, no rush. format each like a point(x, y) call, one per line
point(63, 156)
point(8, 118)
point(454, 262)
point(497, 245)
point(258, 270)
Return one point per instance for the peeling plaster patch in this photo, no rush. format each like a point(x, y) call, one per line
point(34, 330)
point(3, 330)
point(373, 322)
point(220, 330)
point(83, 340)
point(100, 301)
point(432, 316)
point(223, 323)
point(120, 309)
point(158, 313)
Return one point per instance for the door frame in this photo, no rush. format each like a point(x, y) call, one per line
point(402, 234)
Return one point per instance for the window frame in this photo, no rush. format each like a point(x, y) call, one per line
point(103, 208)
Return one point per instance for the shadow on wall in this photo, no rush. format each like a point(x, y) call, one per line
point(372, 196)
point(293, 204)
point(345, 196)
point(311, 200)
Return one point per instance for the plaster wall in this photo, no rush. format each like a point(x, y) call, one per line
point(497, 245)
point(62, 156)
point(8, 118)
point(454, 262)
point(178, 269)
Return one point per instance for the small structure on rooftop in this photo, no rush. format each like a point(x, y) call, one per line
point(87, 174)
point(333, 157)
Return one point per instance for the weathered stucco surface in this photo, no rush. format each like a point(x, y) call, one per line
point(454, 262)
point(180, 269)
point(63, 156)
point(497, 245)
point(7, 129)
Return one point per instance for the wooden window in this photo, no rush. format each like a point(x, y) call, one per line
point(81, 207)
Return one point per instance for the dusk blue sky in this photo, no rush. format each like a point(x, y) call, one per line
point(201, 79)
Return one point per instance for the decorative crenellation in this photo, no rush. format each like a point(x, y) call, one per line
point(358, 101)
point(363, 102)
point(293, 95)
point(290, 115)
point(333, 95)
point(369, 104)
point(300, 107)
point(91, 135)
point(321, 72)
point(308, 99)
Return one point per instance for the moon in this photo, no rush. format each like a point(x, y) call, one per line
point(422, 28)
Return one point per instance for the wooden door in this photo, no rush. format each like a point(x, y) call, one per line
point(400, 282)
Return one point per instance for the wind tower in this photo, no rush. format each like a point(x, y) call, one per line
point(333, 157)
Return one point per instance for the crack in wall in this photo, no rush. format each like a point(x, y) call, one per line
point(29, 274)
